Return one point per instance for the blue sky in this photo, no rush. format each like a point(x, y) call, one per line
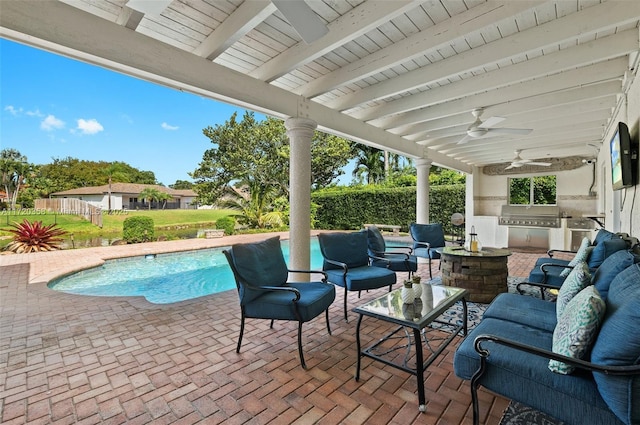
point(55, 107)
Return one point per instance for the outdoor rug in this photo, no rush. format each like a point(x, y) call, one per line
point(521, 414)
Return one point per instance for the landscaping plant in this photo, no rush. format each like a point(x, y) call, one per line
point(34, 237)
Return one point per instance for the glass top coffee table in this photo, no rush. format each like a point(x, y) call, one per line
point(389, 350)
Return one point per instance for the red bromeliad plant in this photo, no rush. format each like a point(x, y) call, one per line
point(34, 237)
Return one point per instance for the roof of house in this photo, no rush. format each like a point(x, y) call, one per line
point(125, 188)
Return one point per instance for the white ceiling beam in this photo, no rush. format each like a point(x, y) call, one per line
point(416, 45)
point(584, 54)
point(559, 97)
point(66, 30)
point(358, 21)
point(601, 72)
point(129, 18)
point(586, 22)
point(245, 18)
point(537, 118)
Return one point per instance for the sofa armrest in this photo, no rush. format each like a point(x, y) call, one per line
point(578, 363)
point(551, 252)
point(540, 286)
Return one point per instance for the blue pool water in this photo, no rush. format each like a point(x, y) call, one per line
point(165, 278)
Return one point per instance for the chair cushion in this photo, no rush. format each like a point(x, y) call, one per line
point(362, 278)
point(552, 278)
point(577, 328)
point(375, 240)
point(581, 256)
point(609, 269)
point(315, 297)
point(432, 233)
point(618, 344)
point(604, 249)
point(348, 248)
point(523, 309)
point(259, 264)
point(577, 280)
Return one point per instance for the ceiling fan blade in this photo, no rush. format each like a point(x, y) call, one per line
point(491, 121)
point(543, 164)
point(520, 131)
point(302, 18)
point(510, 167)
point(464, 140)
point(147, 7)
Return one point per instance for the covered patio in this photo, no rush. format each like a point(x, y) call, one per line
point(81, 359)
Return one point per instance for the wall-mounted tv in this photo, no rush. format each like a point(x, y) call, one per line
point(624, 158)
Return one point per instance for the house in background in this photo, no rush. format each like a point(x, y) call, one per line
point(127, 196)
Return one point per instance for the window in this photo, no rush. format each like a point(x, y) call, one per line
point(539, 190)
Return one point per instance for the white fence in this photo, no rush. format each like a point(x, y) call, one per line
point(71, 206)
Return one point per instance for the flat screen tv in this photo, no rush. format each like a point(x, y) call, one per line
point(624, 158)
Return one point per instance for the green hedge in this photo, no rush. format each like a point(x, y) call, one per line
point(350, 208)
point(138, 229)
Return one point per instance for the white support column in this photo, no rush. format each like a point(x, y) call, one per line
point(423, 166)
point(300, 132)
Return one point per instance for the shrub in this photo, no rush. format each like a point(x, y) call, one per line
point(138, 229)
point(228, 224)
point(34, 237)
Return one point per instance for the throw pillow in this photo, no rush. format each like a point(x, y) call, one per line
point(577, 280)
point(577, 328)
point(582, 255)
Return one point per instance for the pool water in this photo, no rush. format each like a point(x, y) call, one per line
point(164, 278)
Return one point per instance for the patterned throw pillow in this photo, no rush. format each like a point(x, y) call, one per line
point(582, 255)
point(577, 280)
point(577, 328)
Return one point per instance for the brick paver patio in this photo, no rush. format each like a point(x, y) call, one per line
point(80, 359)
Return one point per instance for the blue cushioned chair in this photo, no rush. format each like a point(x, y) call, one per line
point(261, 277)
point(426, 239)
point(393, 257)
point(347, 264)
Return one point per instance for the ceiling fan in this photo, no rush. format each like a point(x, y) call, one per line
point(518, 162)
point(479, 128)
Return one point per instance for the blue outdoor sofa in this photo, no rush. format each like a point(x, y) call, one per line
point(509, 351)
point(552, 271)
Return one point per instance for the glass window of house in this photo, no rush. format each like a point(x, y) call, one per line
point(540, 190)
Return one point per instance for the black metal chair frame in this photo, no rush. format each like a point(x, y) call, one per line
point(345, 269)
point(295, 297)
point(485, 353)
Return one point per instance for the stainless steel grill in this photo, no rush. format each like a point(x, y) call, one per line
point(530, 216)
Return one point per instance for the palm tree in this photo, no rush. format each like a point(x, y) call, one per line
point(255, 210)
point(13, 169)
point(150, 194)
point(113, 172)
point(369, 163)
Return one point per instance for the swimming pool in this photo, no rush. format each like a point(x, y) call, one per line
point(164, 278)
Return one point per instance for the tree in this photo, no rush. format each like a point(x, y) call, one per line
point(256, 153)
point(151, 194)
point(13, 170)
point(70, 173)
point(370, 166)
point(182, 184)
point(256, 209)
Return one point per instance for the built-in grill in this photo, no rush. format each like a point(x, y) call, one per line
point(530, 216)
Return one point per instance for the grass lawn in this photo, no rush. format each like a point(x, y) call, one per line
point(112, 223)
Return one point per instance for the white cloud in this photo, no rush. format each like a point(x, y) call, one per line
point(35, 113)
point(169, 127)
point(12, 110)
point(91, 126)
point(51, 123)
